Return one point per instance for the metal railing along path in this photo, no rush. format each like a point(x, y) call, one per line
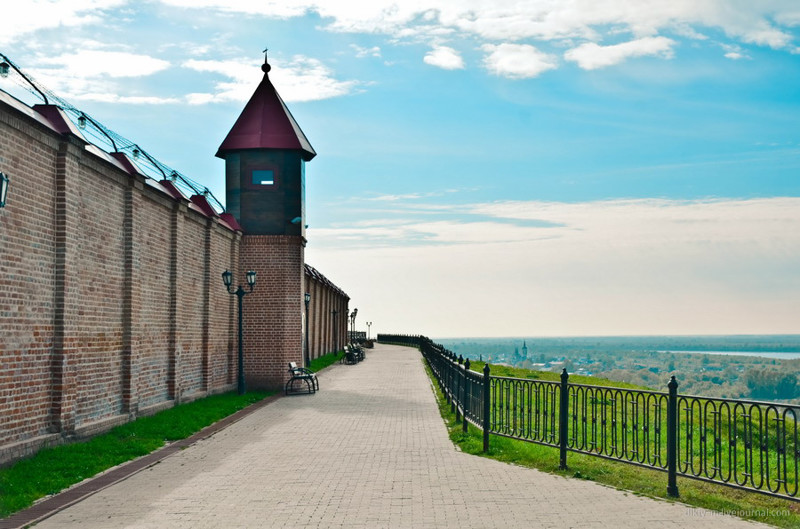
point(749, 445)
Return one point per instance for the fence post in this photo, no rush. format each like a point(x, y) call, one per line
point(487, 391)
point(457, 396)
point(562, 419)
point(450, 378)
point(464, 398)
point(444, 361)
point(672, 438)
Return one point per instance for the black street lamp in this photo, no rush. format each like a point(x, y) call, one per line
point(335, 333)
point(307, 299)
point(227, 278)
point(3, 189)
point(353, 325)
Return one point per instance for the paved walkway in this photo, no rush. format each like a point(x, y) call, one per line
point(369, 451)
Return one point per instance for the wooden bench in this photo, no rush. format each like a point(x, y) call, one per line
point(301, 380)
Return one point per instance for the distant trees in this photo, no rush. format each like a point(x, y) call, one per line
point(771, 384)
point(633, 360)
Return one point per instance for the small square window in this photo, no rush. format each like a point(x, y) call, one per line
point(264, 177)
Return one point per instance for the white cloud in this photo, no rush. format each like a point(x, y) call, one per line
point(105, 97)
point(300, 79)
point(734, 52)
point(94, 74)
point(444, 57)
point(94, 63)
point(517, 61)
point(643, 221)
point(242, 78)
point(762, 23)
point(591, 56)
point(199, 98)
point(271, 8)
point(374, 51)
point(26, 17)
point(395, 198)
point(503, 22)
point(608, 267)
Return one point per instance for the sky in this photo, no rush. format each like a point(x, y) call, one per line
point(484, 168)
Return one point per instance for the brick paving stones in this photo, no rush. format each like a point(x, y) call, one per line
point(370, 450)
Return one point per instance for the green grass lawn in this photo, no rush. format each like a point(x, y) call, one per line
point(318, 364)
point(637, 480)
point(722, 439)
point(54, 469)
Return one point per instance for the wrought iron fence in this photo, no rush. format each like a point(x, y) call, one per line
point(745, 444)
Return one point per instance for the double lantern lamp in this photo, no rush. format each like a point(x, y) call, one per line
point(227, 278)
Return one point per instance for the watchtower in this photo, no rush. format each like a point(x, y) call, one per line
point(265, 154)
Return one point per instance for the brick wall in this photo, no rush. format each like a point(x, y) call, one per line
point(27, 282)
point(328, 304)
point(273, 311)
point(112, 304)
point(155, 290)
point(94, 277)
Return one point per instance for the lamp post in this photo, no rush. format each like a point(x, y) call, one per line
point(3, 189)
point(227, 278)
point(307, 299)
point(369, 325)
point(353, 325)
point(348, 318)
point(335, 331)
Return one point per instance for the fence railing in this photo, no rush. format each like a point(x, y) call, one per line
point(750, 445)
point(357, 336)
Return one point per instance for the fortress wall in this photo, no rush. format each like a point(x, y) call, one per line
point(27, 281)
point(112, 304)
point(110, 300)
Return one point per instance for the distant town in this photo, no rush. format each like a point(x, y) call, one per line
point(713, 366)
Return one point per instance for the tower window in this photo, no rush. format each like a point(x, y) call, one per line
point(264, 177)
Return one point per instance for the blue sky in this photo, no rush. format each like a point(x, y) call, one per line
point(485, 168)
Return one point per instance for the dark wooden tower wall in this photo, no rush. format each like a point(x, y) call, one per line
point(265, 191)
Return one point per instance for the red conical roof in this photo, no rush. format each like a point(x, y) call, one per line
point(266, 123)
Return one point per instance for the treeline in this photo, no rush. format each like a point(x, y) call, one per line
point(636, 361)
point(771, 384)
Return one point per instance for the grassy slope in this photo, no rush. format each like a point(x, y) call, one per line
point(638, 480)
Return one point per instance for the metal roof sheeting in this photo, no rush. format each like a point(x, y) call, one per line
point(266, 123)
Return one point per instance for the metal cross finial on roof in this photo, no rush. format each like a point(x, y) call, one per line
point(266, 67)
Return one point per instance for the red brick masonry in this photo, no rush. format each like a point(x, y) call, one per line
point(111, 300)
